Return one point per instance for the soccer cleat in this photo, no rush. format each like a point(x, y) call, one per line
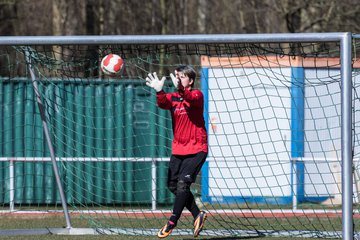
point(166, 230)
point(199, 223)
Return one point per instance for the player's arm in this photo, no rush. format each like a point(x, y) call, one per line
point(163, 101)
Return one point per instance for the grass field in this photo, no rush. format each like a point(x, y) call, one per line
point(42, 222)
point(96, 237)
point(88, 237)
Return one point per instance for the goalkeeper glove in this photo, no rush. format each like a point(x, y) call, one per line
point(174, 80)
point(153, 81)
point(177, 83)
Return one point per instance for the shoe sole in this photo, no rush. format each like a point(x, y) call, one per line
point(199, 228)
point(162, 234)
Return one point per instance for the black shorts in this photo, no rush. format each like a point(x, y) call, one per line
point(185, 167)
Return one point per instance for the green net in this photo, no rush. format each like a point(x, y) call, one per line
point(272, 111)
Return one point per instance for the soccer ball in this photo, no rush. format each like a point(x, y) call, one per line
point(112, 64)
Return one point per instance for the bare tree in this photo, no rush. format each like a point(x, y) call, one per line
point(8, 17)
point(202, 13)
point(74, 17)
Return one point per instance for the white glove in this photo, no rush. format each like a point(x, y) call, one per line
point(153, 81)
point(174, 80)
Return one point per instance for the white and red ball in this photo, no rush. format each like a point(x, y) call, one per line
point(112, 64)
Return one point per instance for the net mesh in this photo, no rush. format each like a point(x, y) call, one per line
point(273, 116)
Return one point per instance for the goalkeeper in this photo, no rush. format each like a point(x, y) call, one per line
point(189, 146)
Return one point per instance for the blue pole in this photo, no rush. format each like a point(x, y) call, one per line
point(205, 169)
point(297, 128)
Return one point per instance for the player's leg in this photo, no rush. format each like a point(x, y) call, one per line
point(172, 182)
point(191, 167)
point(182, 172)
point(190, 204)
point(182, 195)
point(188, 170)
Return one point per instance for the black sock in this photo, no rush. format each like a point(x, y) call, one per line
point(173, 219)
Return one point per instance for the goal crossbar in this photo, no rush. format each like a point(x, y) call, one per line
point(173, 39)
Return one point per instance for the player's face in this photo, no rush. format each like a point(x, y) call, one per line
point(183, 80)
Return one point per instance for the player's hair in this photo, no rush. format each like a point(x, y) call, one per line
point(188, 71)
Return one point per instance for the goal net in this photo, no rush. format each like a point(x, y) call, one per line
point(272, 112)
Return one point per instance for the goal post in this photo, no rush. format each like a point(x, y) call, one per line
point(278, 109)
point(48, 139)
